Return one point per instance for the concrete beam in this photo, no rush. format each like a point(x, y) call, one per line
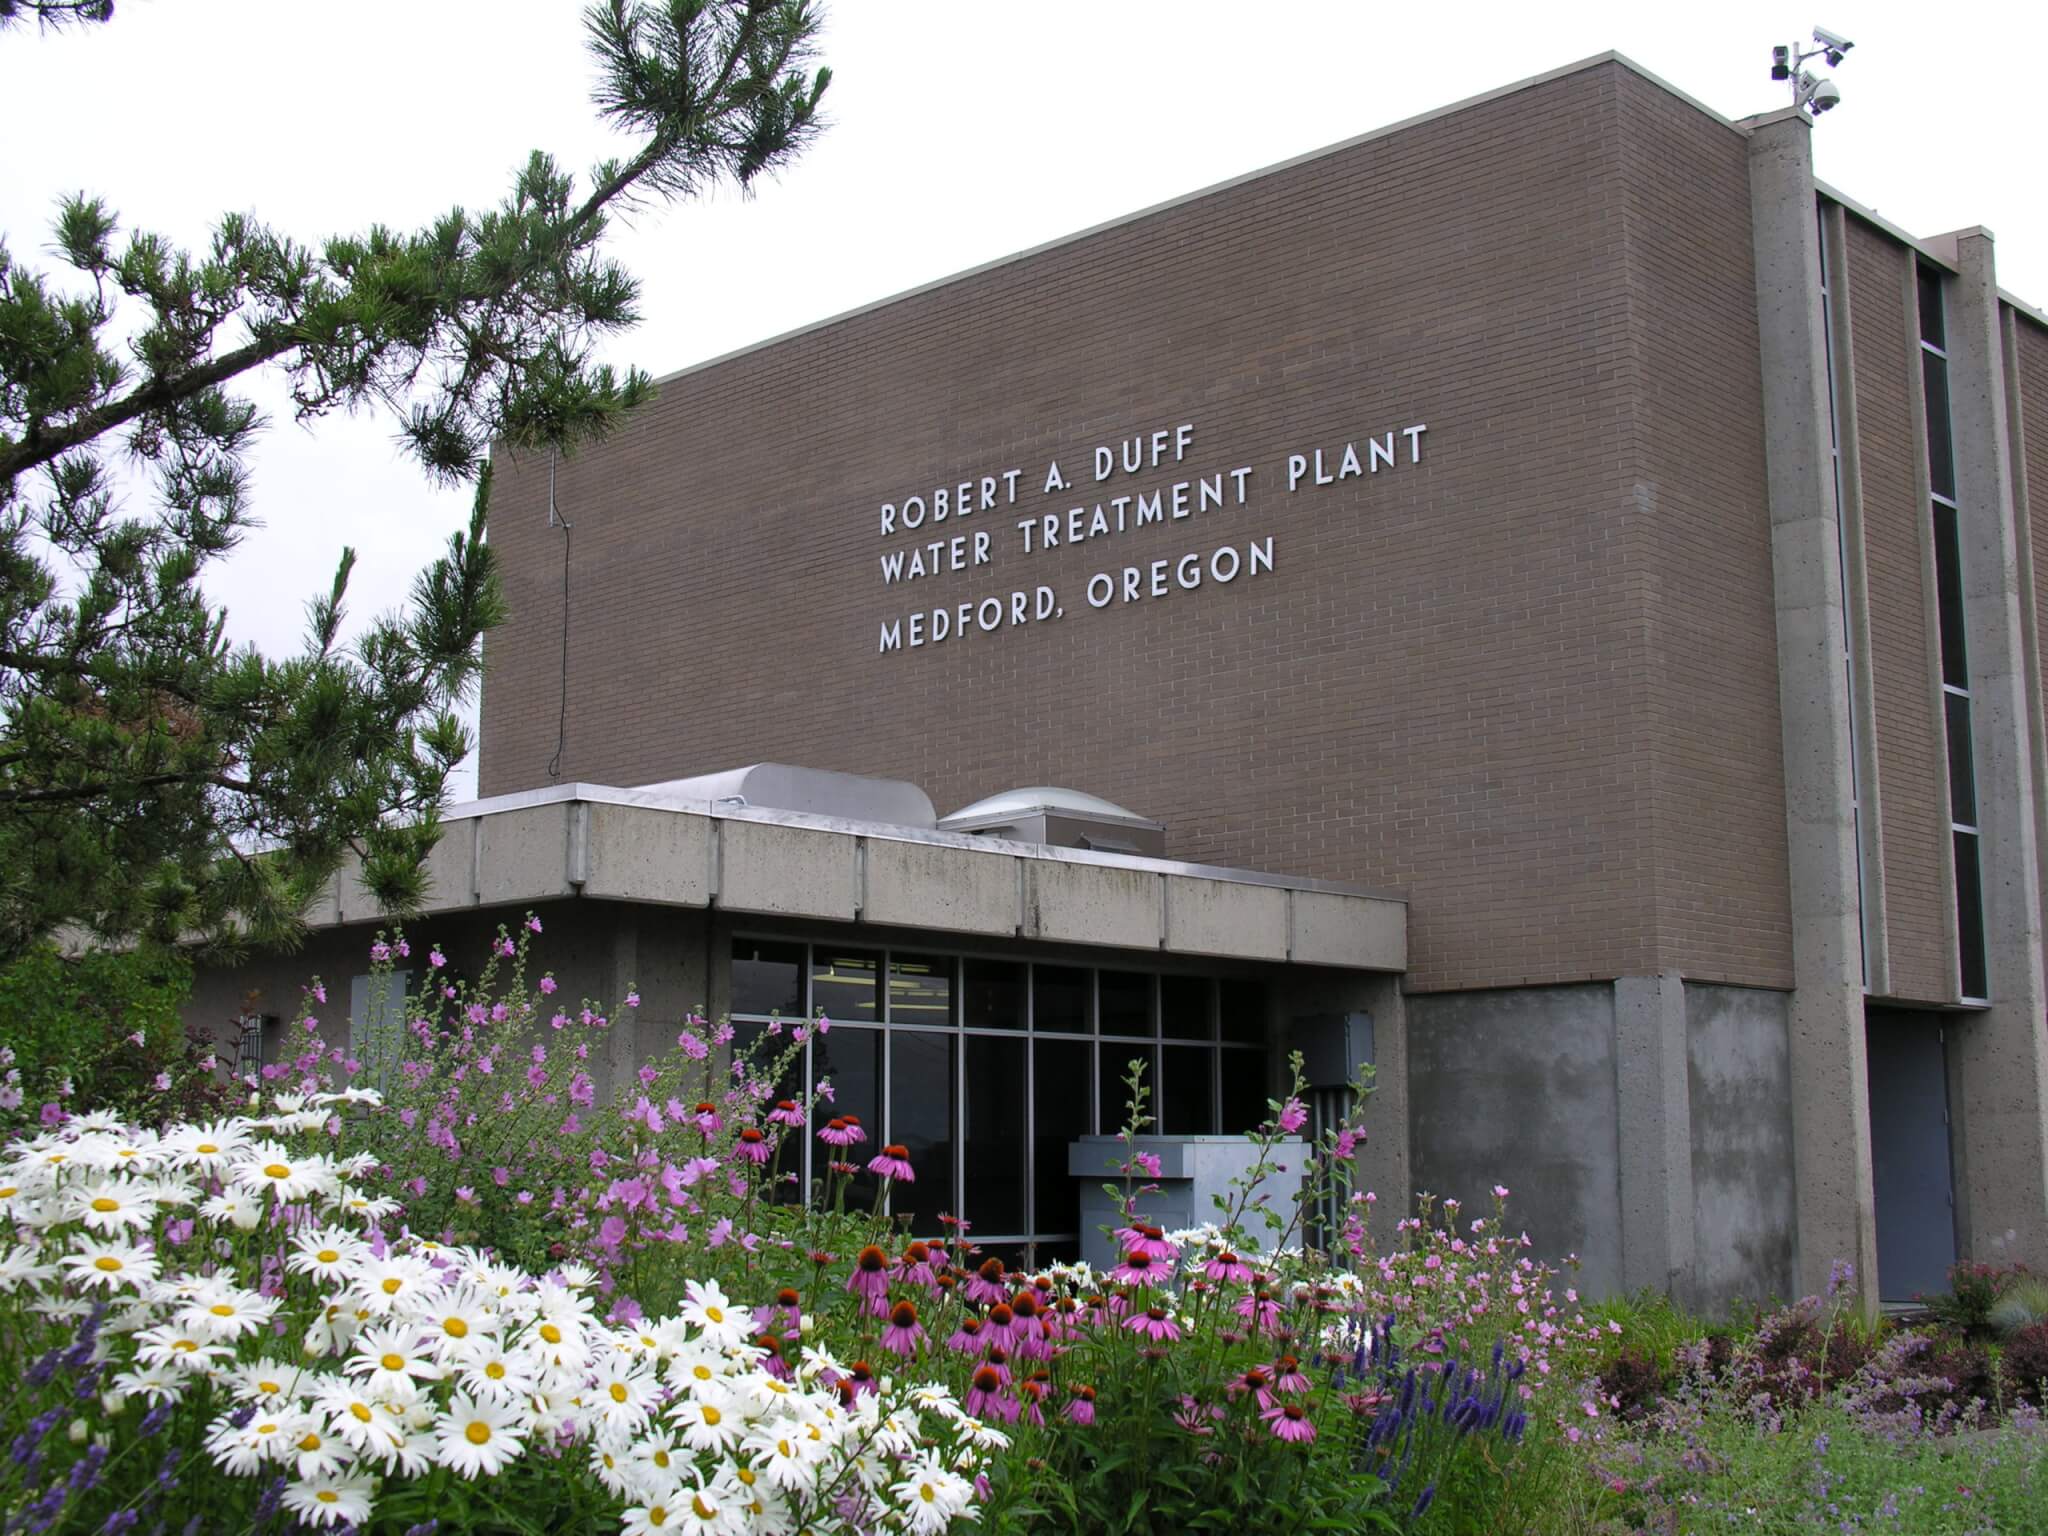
point(1093, 904)
point(637, 854)
point(948, 890)
point(1219, 917)
point(1355, 931)
point(793, 871)
point(1830, 1086)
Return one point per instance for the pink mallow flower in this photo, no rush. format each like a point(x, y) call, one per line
point(893, 1162)
point(547, 986)
point(1293, 1116)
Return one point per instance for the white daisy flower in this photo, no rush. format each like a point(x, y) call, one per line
point(234, 1207)
point(362, 1204)
point(327, 1254)
point(170, 1345)
point(931, 1497)
point(784, 1455)
point(699, 1510)
point(477, 1439)
point(229, 1313)
point(242, 1452)
point(109, 1264)
point(151, 1383)
point(22, 1267)
point(314, 1449)
point(452, 1317)
point(489, 1369)
point(206, 1149)
point(384, 1283)
point(110, 1205)
point(618, 1469)
point(706, 1308)
point(708, 1421)
point(622, 1393)
point(268, 1167)
point(391, 1359)
point(342, 1498)
point(266, 1381)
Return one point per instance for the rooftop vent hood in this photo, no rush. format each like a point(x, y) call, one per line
point(782, 787)
point(1063, 818)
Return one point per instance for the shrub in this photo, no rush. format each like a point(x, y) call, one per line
point(2023, 1303)
point(94, 1029)
point(1973, 1290)
point(2025, 1364)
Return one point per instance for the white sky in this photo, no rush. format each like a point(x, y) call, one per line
point(961, 131)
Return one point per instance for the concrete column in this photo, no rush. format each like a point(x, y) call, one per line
point(622, 974)
point(2000, 1054)
point(1653, 1107)
point(1830, 1086)
point(1383, 1163)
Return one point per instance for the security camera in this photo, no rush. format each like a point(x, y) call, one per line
point(1834, 43)
point(1825, 96)
point(1781, 63)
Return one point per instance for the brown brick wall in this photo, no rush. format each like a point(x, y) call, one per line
point(1523, 680)
point(1919, 906)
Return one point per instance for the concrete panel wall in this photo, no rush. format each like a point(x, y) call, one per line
point(1739, 1095)
point(1518, 1088)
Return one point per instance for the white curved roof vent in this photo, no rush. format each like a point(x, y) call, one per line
point(1063, 818)
point(817, 791)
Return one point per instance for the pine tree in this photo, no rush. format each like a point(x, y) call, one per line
point(156, 782)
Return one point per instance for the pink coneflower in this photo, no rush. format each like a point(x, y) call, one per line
point(752, 1145)
point(998, 1360)
point(1025, 1336)
point(999, 1322)
point(1143, 1237)
point(1155, 1324)
point(860, 1377)
point(985, 1395)
point(1287, 1375)
point(967, 1339)
point(1256, 1382)
point(1227, 1267)
point(893, 1162)
point(1260, 1309)
point(770, 1359)
point(1194, 1416)
point(1029, 1395)
point(706, 1117)
point(840, 1132)
point(1081, 1406)
point(786, 1112)
point(904, 1331)
point(1290, 1421)
point(986, 1283)
point(869, 1279)
point(915, 1266)
point(1142, 1268)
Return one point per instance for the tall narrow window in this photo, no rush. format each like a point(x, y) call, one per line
point(1974, 977)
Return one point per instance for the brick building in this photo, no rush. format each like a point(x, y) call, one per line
point(1553, 583)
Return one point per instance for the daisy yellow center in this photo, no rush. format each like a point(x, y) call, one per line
point(746, 1476)
point(927, 1492)
point(185, 1346)
point(206, 1149)
point(704, 1511)
point(9, 1191)
point(328, 1256)
point(310, 1443)
point(551, 1333)
point(784, 1448)
point(268, 1387)
point(361, 1412)
point(103, 1205)
point(276, 1171)
point(106, 1262)
point(221, 1309)
point(266, 1429)
point(701, 1372)
point(661, 1458)
point(392, 1285)
point(656, 1515)
point(478, 1433)
point(393, 1362)
point(455, 1328)
point(714, 1314)
point(495, 1371)
point(328, 1496)
point(619, 1392)
point(712, 1416)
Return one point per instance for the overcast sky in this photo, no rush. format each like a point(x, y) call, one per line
point(961, 130)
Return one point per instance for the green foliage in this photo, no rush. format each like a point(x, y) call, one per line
point(142, 760)
point(69, 1019)
point(2022, 1304)
point(54, 13)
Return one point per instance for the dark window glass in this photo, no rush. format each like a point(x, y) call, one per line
point(843, 984)
point(1059, 999)
point(1243, 1010)
point(992, 996)
point(1970, 917)
point(1189, 1090)
point(1063, 1071)
point(1123, 1003)
point(1941, 453)
point(1244, 1092)
point(1962, 779)
point(1056, 1253)
point(851, 1060)
point(921, 1120)
point(768, 978)
point(1186, 1006)
point(993, 1132)
point(920, 989)
point(1948, 593)
point(1113, 1088)
point(772, 1048)
point(1931, 327)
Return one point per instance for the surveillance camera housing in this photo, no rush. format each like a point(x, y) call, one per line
point(1825, 97)
point(1834, 42)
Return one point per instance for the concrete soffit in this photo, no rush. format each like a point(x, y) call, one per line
point(629, 846)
